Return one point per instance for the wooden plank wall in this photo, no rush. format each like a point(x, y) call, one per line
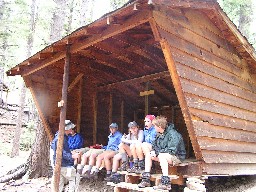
point(221, 101)
point(87, 111)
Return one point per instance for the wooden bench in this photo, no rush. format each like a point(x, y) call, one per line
point(132, 179)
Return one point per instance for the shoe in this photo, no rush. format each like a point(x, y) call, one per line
point(145, 180)
point(144, 183)
point(133, 168)
point(87, 174)
point(164, 185)
point(94, 175)
point(139, 170)
point(107, 178)
point(115, 178)
point(123, 166)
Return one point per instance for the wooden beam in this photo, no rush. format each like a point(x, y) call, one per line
point(149, 92)
point(133, 21)
point(95, 103)
point(76, 80)
point(180, 94)
point(110, 112)
point(40, 112)
point(63, 112)
point(195, 4)
point(122, 116)
point(80, 97)
point(142, 79)
point(147, 103)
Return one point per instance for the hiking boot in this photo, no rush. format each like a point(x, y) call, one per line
point(115, 178)
point(164, 185)
point(133, 168)
point(141, 167)
point(123, 166)
point(107, 178)
point(87, 174)
point(94, 175)
point(145, 182)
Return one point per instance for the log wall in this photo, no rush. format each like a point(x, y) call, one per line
point(220, 97)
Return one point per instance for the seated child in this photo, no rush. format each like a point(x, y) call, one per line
point(139, 149)
point(128, 141)
point(168, 148)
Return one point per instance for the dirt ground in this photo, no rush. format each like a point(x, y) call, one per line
point(213, 184)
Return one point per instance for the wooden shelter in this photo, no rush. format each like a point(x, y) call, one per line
point(182, 59)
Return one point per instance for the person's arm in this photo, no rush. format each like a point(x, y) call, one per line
point(152, 135)
point(172, 144)
point(75, 142)
point(66, 153)
point(115, 143)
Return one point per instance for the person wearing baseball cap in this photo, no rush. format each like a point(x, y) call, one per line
point(67, 162)
point(142, 149)
point(114, 139)
point(134, 136)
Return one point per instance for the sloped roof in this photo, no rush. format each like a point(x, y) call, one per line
point(91, 34)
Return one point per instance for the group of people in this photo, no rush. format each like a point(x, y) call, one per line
point(159, 141)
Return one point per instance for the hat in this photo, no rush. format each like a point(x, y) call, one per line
point(69, 125)
point(113, 125)
point(151, 117)
point(132, 124)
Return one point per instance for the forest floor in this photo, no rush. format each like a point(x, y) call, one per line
point(214, 184)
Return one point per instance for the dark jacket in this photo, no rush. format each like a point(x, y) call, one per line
point(67, 159)
point(170, 141)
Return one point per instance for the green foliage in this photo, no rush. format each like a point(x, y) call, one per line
point(27, 137)
point(242, 14)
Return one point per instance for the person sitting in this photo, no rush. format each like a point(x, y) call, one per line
point(114, 139)
point(168, 148)
point(134, 137)
point(75, 142)
point(67, 161)
point(140, 149)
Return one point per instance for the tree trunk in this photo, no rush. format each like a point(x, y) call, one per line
point(38, 161)
point(86, 12)
point(18, 130)
point(58, 20)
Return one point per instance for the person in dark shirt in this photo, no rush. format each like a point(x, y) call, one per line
point(168, 148)
point(68, 172)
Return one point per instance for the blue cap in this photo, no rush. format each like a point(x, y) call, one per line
point(113, 125)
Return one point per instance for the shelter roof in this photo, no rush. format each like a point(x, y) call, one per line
point(108, 24)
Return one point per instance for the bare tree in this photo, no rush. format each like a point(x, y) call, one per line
point(58, 20)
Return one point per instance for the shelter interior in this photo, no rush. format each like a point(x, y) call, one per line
point(121, 79)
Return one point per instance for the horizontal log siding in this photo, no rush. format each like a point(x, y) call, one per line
point(222, 103)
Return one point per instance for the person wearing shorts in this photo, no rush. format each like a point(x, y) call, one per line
point(106, 153)
point(168, 148)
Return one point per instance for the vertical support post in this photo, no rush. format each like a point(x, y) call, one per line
point(78, 122)
point(147, 100)
point(63, 112)
point(122, 116)
point(95, 104)
point(110, 112)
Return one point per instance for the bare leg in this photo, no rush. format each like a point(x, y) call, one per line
point(116, 160)
point(107, 159)
point(139, 151)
